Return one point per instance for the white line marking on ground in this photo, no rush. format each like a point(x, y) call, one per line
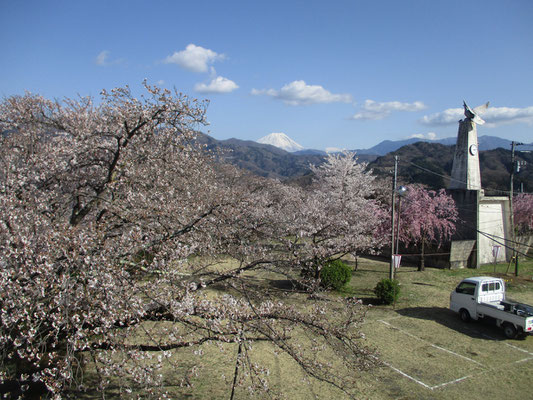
point(451, 382)
point(518, 348)
point(523, 360)
point(407, 376)
point(431, 344)
point(510, 345)
point(449, 351)
point(422, 383)
point(393, 318)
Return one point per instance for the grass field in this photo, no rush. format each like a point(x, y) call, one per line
point(428, 353)
point(431, 354)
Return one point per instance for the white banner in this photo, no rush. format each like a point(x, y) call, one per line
point(496, 251)
point(396, 258)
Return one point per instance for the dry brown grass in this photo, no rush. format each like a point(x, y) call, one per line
point(429, 353)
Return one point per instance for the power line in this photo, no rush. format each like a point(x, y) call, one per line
point(459, 181)
point(509, 240)
point(490, 236)
point(493, 236)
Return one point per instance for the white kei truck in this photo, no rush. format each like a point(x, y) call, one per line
point(483, 297)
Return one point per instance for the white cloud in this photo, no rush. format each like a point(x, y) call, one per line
point(493, 116)
point(428, 136)
point(268, 92)
point(194, 58)
point(449, 116)
point(198, 59)
point(161, 82)
point(507, 115)
point(102, 58)
point(299, 93)
point(374, 110)
point(217, 85)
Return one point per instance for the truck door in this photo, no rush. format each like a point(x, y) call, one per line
point(465, 298)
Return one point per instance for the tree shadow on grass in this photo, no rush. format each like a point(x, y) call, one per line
point(424, 284)
point(369, 301)
point(482, 329)
point(284, 284)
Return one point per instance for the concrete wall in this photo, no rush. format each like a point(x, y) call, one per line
point(493, 221)
point(461, 253)
point(467, 206)
point(477, 213)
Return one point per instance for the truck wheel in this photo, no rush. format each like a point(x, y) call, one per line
point(465, 315)
point(510, 331)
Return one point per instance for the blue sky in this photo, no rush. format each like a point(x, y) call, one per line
point(344, 74)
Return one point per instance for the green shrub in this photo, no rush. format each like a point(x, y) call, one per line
point(387, 291)
point(335, 274)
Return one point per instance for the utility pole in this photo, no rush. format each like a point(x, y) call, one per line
point(391, 272)
point(511, 189)
point(511, 193)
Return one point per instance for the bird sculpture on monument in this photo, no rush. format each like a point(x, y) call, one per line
point(474, 114)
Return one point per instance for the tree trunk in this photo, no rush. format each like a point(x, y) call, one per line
point(422, 266)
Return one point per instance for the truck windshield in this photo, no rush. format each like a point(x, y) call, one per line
point(466, 288)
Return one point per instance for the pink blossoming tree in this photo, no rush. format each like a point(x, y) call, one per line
point(426, 217)
point(523, 213)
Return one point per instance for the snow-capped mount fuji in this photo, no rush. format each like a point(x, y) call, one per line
point(282, 141)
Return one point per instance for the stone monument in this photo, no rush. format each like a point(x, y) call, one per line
point(465, 170)
point(483, 220)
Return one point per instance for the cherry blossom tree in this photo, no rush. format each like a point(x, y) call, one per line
point(337, 215)
point(523, 213)
point(426, 216)
point(110, 217)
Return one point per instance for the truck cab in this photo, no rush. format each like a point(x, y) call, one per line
point(472, 291)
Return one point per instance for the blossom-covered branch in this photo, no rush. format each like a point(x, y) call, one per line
point(110, 218)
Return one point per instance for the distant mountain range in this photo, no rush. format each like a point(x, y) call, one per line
point(284, 142)
point(421, 161)
point(484, 143)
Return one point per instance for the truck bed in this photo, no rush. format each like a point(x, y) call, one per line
point(517, 308)
point(506, 310)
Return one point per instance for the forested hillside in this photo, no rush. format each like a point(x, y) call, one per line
point(431, 165)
